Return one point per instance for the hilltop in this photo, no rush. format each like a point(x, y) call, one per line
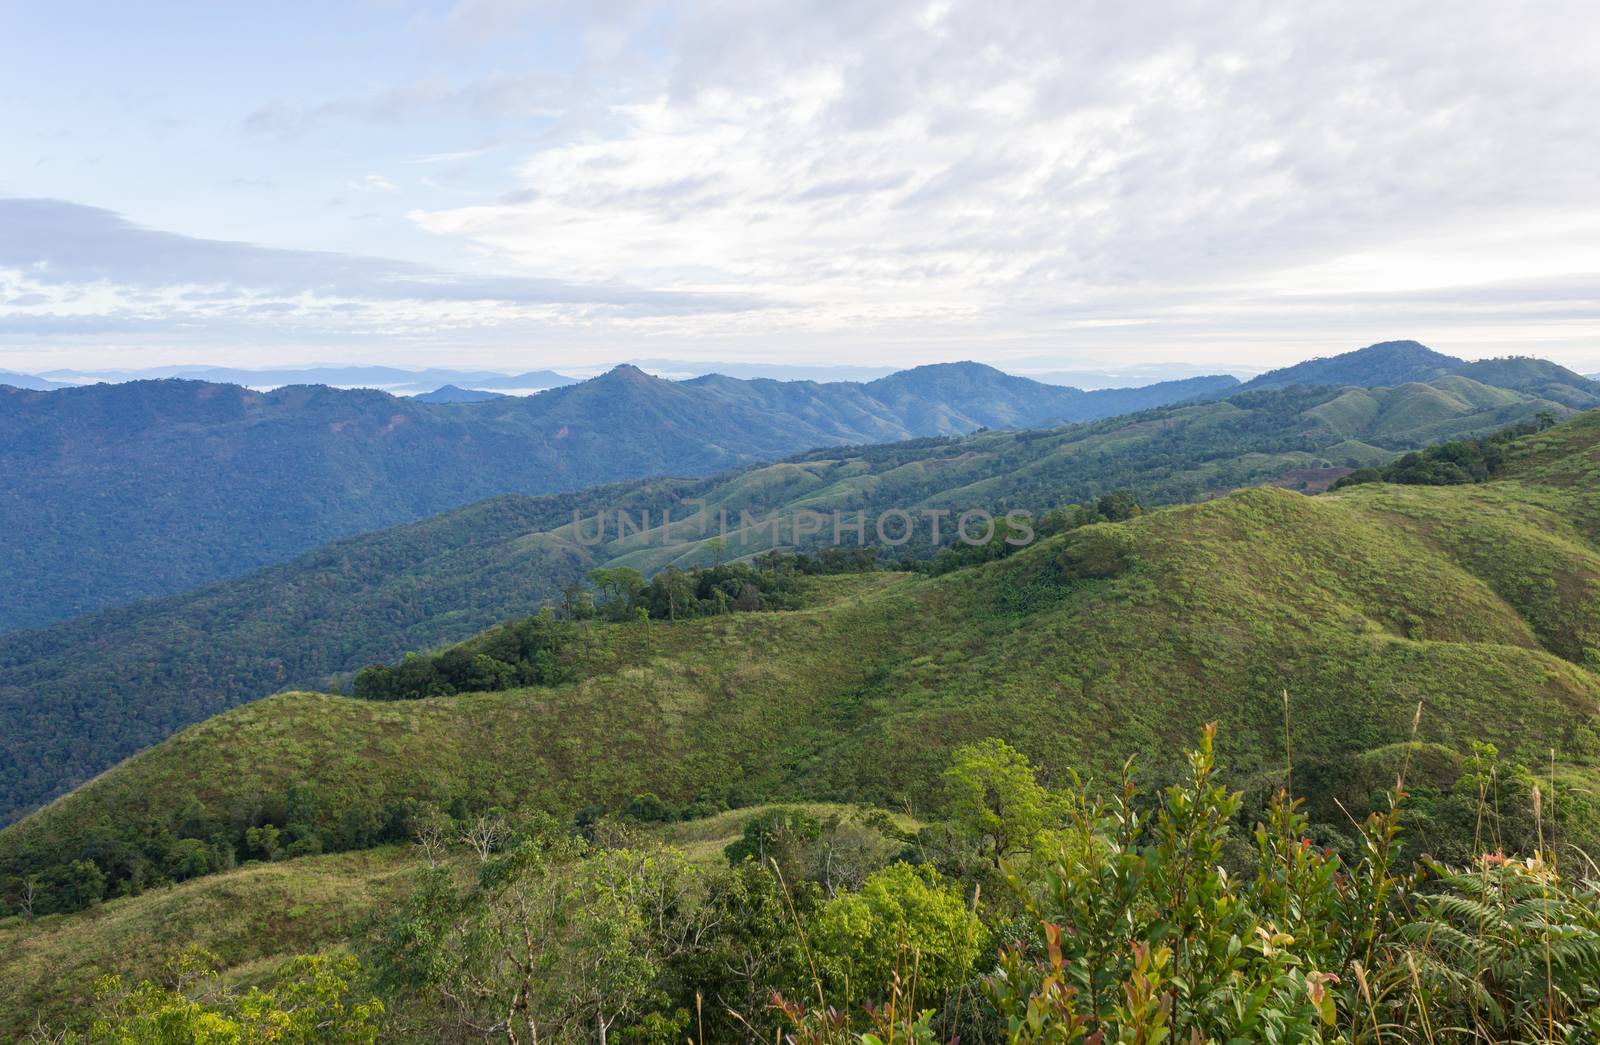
point(1392, 363)
point(161, 665)
point(454, 394)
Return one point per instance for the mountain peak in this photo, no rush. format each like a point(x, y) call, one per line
point(456, 394)
point(1381, 365)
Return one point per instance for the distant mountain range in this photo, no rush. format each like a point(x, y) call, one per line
point(115, 492)
point(77, 696)
point(401, 381)
point(28, 381)
point(395, 380)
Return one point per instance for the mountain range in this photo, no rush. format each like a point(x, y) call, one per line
point(158, 666)
point(1117, 638)
point(115, 492)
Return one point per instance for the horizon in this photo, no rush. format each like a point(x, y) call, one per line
point(519, 186)
point(442, 378)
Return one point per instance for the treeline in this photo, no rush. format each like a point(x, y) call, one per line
point(537, 650)
point(1458, 461)
point(129, 857)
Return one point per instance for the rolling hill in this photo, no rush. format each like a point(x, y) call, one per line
point(1481, 601)
point(79, 696)
point(111, 493)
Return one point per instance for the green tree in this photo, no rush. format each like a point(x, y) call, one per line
point(992, 795)
point(905, 921)
point(309, 1002)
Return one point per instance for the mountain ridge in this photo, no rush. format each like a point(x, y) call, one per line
point(212, 480)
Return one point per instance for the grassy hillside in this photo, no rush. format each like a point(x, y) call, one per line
point(251, 917)
point(66, 714)
point(1115, 639)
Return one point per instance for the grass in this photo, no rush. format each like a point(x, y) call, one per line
point(253, 917)
point(704, 840)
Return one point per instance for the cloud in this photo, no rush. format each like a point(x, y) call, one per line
point(913, 167)
point(923, 179)
point(85, 270)
point(374, 183)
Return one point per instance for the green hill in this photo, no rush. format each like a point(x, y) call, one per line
point(66, 714)
point(1480, 601)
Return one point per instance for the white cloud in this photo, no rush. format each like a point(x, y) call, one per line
point(374, 183)
point(882, 165)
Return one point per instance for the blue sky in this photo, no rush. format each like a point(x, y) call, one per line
point(1038, 185)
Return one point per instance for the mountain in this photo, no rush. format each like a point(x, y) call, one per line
point(1392, 363)
point(524, 383)
point(27, 381)
point(397, 380)
point(1376, 366)
point(953, 397)
point(110, 493)
point(452, 394)
point(1111, 639)
point(155, 667)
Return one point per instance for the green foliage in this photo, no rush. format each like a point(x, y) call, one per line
point(310, 1001)
point(527, 652)
point(1142, 935)
point(775, 835)
point(905, 924)
point(991, 793)
point(1458, 461)
point(556, 941)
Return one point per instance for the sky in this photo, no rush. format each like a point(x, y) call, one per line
point(1039, 185)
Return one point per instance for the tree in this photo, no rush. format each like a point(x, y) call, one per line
point(993, 796)
point(557, 942)
point(905, 921)
point(308, 1003)
point(621, 587)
